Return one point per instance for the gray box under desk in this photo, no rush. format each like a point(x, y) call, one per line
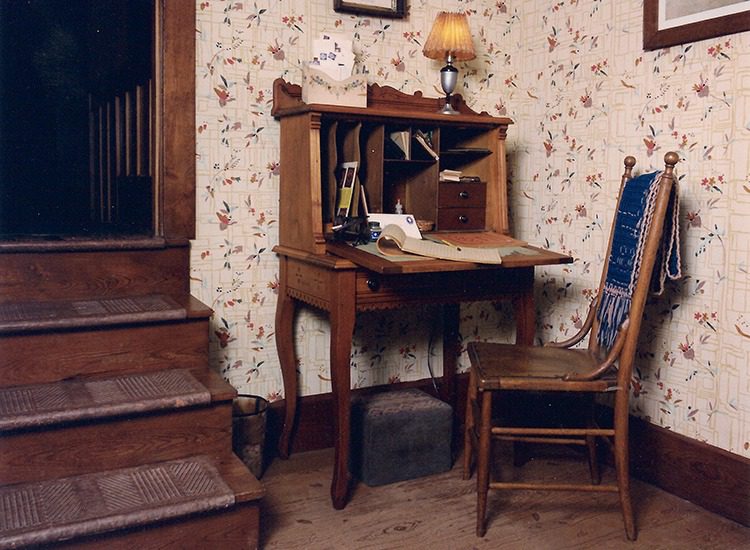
point(399, 435)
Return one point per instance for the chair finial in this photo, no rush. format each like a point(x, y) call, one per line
point(629, 163)
point(671, 159)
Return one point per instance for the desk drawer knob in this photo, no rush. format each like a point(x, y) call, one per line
point(463, 219)
point(373, 284)
point(463, 195)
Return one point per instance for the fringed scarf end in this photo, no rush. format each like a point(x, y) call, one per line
point(614, 309)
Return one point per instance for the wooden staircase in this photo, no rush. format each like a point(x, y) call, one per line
point(114, 431)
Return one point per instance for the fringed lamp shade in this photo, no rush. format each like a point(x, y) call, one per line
point(450, 39)
point(450, 35)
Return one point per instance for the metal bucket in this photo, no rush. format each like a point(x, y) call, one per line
point(249, 430)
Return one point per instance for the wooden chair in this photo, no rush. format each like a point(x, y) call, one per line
point(557, 367)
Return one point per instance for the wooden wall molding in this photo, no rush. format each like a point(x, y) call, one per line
point(712, 478)
point(708, 476)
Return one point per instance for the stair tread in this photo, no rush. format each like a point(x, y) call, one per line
point(93, 503)
point(102, 311)
point(86, 398)
point(244, 484)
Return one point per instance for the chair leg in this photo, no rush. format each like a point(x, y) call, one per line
point(483, 462)
point(623, 484)
point(469, 426)
point(521, 454)
point(622, 469)
point(596, 477)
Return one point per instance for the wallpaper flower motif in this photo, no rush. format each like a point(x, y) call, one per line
point(583, 94)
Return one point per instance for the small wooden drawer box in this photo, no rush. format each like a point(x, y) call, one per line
point(462, 195)
point(460, 219)
point(461, 206)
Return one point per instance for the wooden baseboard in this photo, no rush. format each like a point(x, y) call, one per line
point(712, 478)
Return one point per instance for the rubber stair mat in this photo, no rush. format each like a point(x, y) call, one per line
point(16, 316)
point(78, 399)
point(61, 509)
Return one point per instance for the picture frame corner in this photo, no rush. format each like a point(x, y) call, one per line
point(397, 9)
point(697, 29)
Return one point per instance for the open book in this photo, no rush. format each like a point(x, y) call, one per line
point(393, 241)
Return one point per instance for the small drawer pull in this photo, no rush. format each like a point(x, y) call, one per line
point(373, 284)
point(463, 195)
point(463, 219)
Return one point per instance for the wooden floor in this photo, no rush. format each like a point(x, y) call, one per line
point(437, 512)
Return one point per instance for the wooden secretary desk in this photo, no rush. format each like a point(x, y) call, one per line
point(341, 279)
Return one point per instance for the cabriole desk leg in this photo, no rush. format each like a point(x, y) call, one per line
point(285, 310)
point(342, 316)
point(525, 308)
point(451, 350)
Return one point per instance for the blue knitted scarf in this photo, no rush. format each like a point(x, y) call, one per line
point(634, 216)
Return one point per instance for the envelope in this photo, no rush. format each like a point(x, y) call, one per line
point(407, 222)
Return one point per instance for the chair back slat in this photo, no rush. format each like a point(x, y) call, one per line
point(594, 345)
point(648, 243)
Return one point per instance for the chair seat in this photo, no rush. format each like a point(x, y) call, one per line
point(514, 367)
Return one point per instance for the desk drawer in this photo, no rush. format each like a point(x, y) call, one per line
point(375, 291)
point(462, 194)
point(451, 219)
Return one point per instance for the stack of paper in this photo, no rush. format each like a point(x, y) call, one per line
point(450, 175)
point(403, 141)
point(426, 142)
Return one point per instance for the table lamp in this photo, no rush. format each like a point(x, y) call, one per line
point(450, 39)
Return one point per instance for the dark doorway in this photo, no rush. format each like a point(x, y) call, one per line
point(68, 71)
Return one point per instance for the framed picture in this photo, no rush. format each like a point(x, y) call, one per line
point(670, 22)
point(380, 8)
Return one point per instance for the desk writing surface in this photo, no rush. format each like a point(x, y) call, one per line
point(385, 266)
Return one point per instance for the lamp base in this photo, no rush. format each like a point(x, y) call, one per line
point(448, 78)
point(447, 109)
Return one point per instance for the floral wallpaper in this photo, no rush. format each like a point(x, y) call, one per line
point(583, 94)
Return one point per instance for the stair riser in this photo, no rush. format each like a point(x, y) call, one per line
point(49, 357)
point(234, 529)
point(67, 450)
point(67, 275)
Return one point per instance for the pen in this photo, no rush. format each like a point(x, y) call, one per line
point(450, 244)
